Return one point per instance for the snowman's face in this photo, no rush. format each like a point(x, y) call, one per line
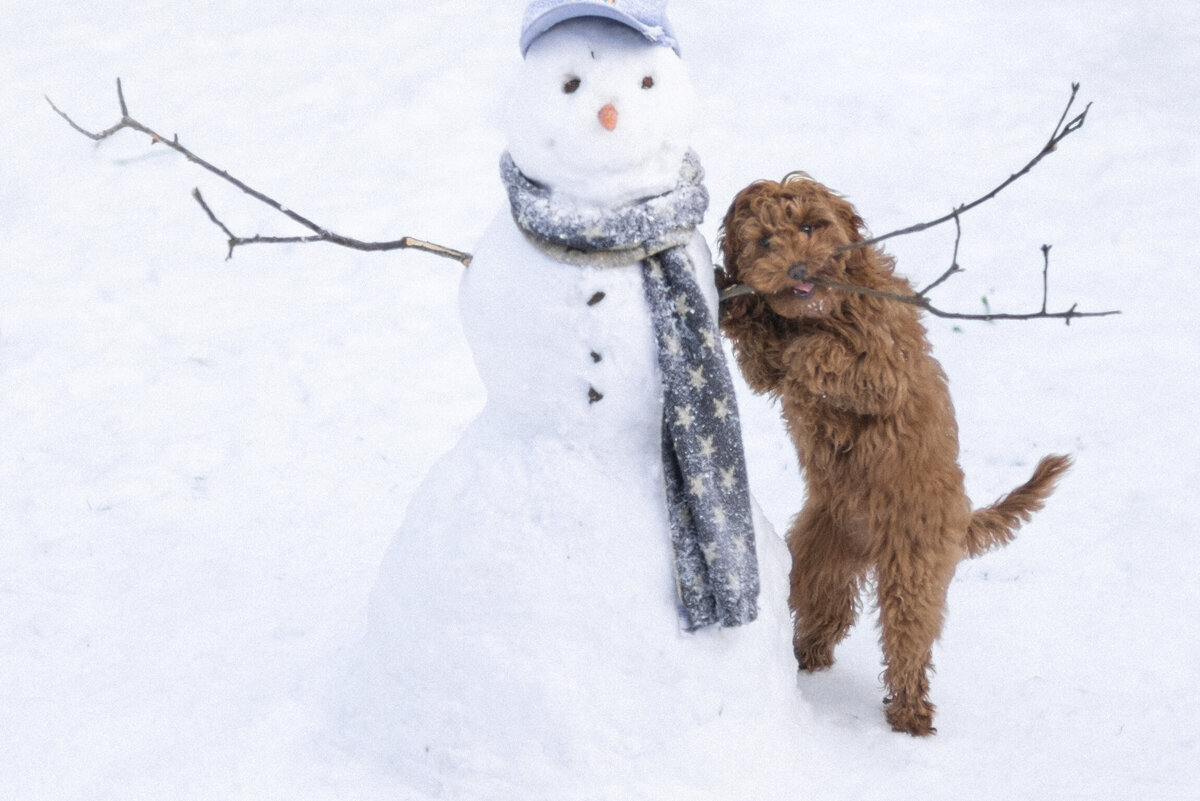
point(599, 114)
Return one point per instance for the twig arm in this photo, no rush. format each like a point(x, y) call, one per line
point(1061, 131)
point(923, 303)
point(320, 233)
point(953, 269)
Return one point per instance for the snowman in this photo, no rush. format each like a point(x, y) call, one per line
point(582, 600)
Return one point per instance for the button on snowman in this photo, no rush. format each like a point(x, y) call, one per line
point(581, 598)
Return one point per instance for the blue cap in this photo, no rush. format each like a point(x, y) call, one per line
point(647, 17)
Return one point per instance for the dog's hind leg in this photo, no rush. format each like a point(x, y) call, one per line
point(828, 568)
point(912, 600)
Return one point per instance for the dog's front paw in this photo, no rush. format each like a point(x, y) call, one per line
point(816, 367)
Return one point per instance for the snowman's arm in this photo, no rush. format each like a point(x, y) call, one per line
point(319, 233)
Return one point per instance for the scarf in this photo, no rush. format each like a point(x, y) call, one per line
point(704, 465)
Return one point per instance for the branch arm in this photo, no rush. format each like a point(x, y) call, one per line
point(1060, 133)
point(320, 234)
point(953, 269)
point(923, 303)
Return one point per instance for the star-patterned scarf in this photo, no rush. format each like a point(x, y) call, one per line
point(708, 499)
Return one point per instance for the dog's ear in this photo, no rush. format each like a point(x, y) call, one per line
point(748, 203)
point(854, 226)
point(729, 239)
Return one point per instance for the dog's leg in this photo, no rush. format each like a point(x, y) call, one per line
point(827, 572)
point(912, 600)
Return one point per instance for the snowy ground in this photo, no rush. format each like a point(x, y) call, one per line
point(202, 461)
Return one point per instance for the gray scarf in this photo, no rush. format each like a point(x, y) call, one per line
point(708, 499)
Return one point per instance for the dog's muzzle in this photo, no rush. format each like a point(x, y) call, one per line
point(803, 288)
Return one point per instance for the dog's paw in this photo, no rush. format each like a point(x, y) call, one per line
point(813, 657)
point(915, 719)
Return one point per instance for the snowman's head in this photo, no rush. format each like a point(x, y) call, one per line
point(599, 114)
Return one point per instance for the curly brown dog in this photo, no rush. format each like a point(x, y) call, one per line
point(870, 414)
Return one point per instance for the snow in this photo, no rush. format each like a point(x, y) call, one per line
point(202, 462)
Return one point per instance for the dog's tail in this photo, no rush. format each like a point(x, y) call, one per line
point(996, 525)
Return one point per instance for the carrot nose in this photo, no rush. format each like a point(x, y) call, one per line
point(608, 117)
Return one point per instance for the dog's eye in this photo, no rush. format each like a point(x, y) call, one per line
point(570, 86)
point(765, 243)
point(647, 82)
point(806, 230)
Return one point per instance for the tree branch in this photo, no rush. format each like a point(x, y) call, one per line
point(954, 269)
point(320, 233)
point(1060, 133)
point(921, 299)
point(924, 303)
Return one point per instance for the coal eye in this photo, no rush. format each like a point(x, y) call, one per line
point(570, 86)
point(647, 82)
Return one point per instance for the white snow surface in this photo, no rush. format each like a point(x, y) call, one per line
point(202, 462)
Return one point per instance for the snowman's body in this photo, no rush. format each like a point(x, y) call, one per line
point(525, 632)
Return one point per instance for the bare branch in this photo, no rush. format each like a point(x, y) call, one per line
point(1068, 315)
point(320, 234)
point(1060, 133)
point(921, 299)
point(954, 269)
point(1046, 276)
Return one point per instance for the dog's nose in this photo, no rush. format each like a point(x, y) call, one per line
point(798, 272)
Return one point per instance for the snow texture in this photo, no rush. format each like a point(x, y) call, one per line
point(203, 462)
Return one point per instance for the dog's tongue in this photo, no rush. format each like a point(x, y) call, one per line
point(804, 289)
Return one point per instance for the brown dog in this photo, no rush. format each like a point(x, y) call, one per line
point(870, 414)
